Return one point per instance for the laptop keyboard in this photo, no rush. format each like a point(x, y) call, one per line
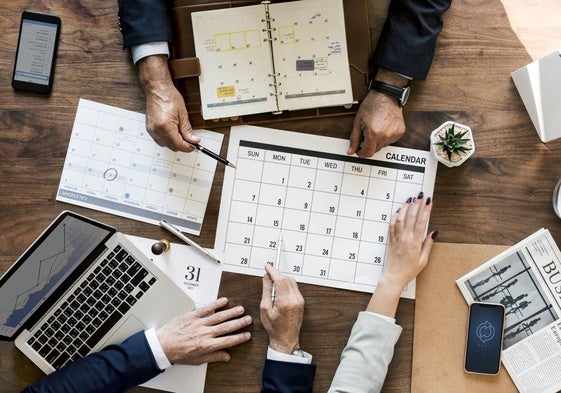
point(94, 307)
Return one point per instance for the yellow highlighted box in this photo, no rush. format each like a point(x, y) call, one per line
point(225, 91)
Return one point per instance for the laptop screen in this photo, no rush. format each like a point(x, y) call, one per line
point(52, 258)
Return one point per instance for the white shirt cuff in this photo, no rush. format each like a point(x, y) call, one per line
point(161, 359)
point(405, 76)
point(149, 49)
point(284, 357)
point(385, 317)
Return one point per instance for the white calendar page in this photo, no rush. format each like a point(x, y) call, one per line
point(333, 209)
point(113, 165)
point(310, 54)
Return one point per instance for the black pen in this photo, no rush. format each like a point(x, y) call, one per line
point(211, 154)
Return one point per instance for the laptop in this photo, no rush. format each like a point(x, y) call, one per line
point(80, 287)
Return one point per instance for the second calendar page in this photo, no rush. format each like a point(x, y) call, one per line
point(333, 209)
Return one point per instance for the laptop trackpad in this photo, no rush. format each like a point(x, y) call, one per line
point(130, 326)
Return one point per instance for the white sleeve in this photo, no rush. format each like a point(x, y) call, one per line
point(365, 359)
point(148, 49)
point(385, 317)
point(284, 357)
point(161, 359)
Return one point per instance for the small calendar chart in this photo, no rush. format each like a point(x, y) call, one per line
point(333, 210)
point(113, 165)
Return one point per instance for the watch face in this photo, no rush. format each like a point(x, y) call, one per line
point(299, 352)
point(405, 96)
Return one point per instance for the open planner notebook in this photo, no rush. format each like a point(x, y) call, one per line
point(272, 57)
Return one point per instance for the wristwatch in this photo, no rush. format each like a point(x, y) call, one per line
point(299, 352)
point(401, 93)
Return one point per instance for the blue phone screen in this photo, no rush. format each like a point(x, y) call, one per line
point(484, 342)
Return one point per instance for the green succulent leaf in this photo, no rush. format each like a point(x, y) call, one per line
point(453, 142)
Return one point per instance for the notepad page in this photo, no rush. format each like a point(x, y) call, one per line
point(236, 66)
point(310, 54)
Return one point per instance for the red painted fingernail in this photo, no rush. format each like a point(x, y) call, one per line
point(429, 200)
point(434, 235)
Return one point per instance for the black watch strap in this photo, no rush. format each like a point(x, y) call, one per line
point(400, 93)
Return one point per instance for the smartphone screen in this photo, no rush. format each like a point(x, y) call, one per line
point(484, 338)
point(35, 57)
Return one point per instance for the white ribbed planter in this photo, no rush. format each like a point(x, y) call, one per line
point(457, 158)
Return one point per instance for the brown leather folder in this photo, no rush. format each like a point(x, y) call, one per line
point(185, 67)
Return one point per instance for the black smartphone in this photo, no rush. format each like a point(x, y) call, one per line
point(484, 341)
point(36, 52)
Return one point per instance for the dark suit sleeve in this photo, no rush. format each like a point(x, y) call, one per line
point(142, 21)
point(114, 369)
point(286, 377)
point(408, 38)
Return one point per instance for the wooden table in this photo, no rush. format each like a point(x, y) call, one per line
point(499, 196)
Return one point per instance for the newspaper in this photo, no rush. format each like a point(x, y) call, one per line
point(526, 279)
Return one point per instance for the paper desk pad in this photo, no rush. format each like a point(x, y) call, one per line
point(333, 209)
point(441, 315)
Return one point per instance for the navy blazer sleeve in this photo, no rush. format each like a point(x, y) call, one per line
point(406, 44)
point(114, 369)
point(142, 21)
point(286, 377)
point(408, 38)
point(118, 368)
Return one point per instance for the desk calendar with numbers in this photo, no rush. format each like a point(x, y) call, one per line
point(113, 165)
point(333, 209)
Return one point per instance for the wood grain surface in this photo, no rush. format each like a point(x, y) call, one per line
point(500, 195)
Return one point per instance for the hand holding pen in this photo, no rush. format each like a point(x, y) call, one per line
point(282, 319)
point(277, 263)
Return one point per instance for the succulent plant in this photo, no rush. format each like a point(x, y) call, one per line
point(453, 142)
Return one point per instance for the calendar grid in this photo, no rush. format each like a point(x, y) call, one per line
point(333, 209)
point(283, 209)
point(361, 232)
point(308, 223)
point(297, 257)
point(113, 165)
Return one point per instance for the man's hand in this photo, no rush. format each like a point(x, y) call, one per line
point(379, 120)
point(378, 123)
point(166, 116)
point(197, 337)
point(282, 318)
